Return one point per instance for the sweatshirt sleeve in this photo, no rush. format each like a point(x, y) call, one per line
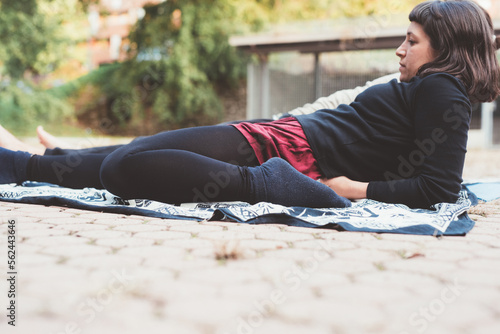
point(432, 172)
point(345, 96)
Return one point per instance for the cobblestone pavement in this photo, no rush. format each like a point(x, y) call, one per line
point(87, 272)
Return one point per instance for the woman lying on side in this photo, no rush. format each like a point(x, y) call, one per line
point(400, 142)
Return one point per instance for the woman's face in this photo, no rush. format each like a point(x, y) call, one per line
point(415, 51)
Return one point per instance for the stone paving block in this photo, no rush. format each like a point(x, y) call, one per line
point(180, 264)
point(490, 220)
point(367, 294)
point(307, 230)
point(135, 228)
point(487, 297)
point(241, 227)
point(76, 250)
point(103, 234)
point(151, 325)
point(261, 245)
point(27, 249)
point(270, 268)
point(114, 221)
point(38, 209)
point(56, 240)
point(246, 290)
point(487, 327)
point(45, 232)
point(61, 219)
point(420, 265)
point(392, 245)
point(95, 216)
point(487, 266)
point(81, 227)
point(258, 324)
point(223, 224)
point(483, 238)
point(354, 316)
point(125, 242)
point(195, 229)
point(442, 254)
point(355, 237)
point(490, 253)
point(408, 316)
point(169, 291)
point(418, 239)
point(37, 260)
point(458, 315)
point(298, 254)
point(150, 251)
point(363, 254)
point(205, 311)
point(38, 324)
point(329, 245)
point(322, 279)
point(98, 261)
point(187, 243)
point(55, 296)
point(488, 227)
point(171, 222)
point(347, 266)
point(226, 235)
point(145, 278)
point(77, 212)
point(208, 252)
point(447, 285)
point(7, 213)
point(284, 236)
point(25, 226)
point(164, 235)
point(218, 275)
point(384, 278)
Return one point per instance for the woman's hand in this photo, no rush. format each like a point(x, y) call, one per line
point(346, 187)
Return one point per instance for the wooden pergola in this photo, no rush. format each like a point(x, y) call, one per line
point(332, 40)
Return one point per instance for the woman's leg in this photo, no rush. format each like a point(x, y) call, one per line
point(82, 151)
point(81, 168)
point(208, 164)
point(197, 164)
point(188, 165)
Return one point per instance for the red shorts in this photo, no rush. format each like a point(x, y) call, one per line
point(283, 138)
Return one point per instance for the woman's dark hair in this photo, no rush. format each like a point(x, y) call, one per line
point(462, 34)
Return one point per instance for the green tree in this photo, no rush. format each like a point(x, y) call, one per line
point(255, 15)
point(31, 35)
point(180, 57)
point(32, 43)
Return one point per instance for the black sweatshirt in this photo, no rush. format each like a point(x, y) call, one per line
point(408, 140)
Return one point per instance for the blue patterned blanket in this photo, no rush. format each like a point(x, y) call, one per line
point(365, 215)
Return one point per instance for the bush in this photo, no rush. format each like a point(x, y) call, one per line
point(24, 107)
point(171, 78)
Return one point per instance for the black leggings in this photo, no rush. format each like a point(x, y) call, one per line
point(199, 164)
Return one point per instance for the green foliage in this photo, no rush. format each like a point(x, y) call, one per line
point(31, 35)
point(31, 43)
point(25, 107)
point(257, 15)
point(179, 57)
point(172, 76)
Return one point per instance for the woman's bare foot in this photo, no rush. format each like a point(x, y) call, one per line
point(48, 140)
point(10, 142)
